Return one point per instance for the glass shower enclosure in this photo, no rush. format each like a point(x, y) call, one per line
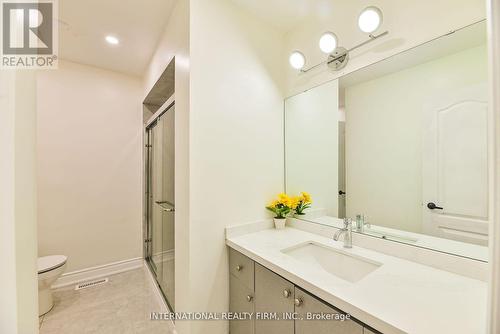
point(159, 243)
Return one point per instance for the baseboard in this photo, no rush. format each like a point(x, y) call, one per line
point(91, 273)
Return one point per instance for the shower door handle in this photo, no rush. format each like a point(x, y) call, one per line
point(166, 209)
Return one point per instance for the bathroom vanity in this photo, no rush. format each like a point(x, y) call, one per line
point(295, 272)
point(283, 307)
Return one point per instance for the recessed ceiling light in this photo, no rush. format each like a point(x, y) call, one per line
point(112, 40)
point(297, 60)
point(328, 42)
point(370, 19)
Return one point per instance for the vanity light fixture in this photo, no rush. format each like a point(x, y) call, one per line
point(112, 40)
point(297, 60)
point(328, 42)
point(369, 21)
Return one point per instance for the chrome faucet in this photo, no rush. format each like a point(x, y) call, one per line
point(347, 232)
point(361, 223)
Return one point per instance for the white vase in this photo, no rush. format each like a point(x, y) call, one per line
point(279, 223)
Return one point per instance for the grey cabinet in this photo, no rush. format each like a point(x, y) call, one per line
point(308, 306)
point(241, 301)
point(273, 299)
point(241, 292)
point(260, 292)
point(242, 268)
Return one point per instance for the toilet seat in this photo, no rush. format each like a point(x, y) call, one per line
point(48, 263)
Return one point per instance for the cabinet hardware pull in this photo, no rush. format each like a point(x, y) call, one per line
point(249, 298)
point(298, 302)
point(239, 267)
point(286, 293)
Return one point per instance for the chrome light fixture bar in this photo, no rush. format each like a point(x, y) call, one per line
point(340, 56)
point(369, 20)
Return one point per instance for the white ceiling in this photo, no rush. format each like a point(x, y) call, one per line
point(83, 25)
point(286, 14)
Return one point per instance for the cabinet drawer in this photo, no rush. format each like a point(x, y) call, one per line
point(311, 305)
point(242, 268)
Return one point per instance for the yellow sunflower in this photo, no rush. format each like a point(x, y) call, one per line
point(306, 197)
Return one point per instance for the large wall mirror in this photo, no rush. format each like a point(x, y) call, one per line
point(400, 146)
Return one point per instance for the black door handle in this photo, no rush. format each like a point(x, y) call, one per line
point(433, 206)
point(341, 192)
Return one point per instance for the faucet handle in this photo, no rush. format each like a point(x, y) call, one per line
point(347, 222)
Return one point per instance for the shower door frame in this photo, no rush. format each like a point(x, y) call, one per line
point(147, 222)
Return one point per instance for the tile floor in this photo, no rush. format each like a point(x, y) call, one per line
point(120, 306)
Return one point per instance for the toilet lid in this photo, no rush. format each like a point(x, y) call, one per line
point(48, 263)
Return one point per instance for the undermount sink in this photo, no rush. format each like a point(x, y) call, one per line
point(341, 264)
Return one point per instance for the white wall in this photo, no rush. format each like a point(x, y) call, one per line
point(175, 43)
point(89, 165)
point(236, 139)
point(384, 136)
point(18, 253)
point(312, 136)
point(409, 23)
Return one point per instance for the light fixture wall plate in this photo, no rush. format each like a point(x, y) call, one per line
point(370, 19)
point(338, 59)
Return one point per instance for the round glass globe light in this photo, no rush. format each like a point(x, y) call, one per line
point(297, 60)
point(328, 42)
point(370, 19)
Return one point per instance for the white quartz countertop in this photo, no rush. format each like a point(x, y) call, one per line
point(399, 297)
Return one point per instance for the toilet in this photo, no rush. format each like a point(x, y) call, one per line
point(49, 270)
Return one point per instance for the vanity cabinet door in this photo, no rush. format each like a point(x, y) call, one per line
point(273, 297)
point(307, 304)
point(242, 268)
point(241, 301)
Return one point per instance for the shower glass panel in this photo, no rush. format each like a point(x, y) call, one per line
point(160, 245)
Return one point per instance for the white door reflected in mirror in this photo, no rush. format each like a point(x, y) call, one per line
point(455, 165)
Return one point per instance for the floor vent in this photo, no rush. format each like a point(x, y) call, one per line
point(91, 284)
